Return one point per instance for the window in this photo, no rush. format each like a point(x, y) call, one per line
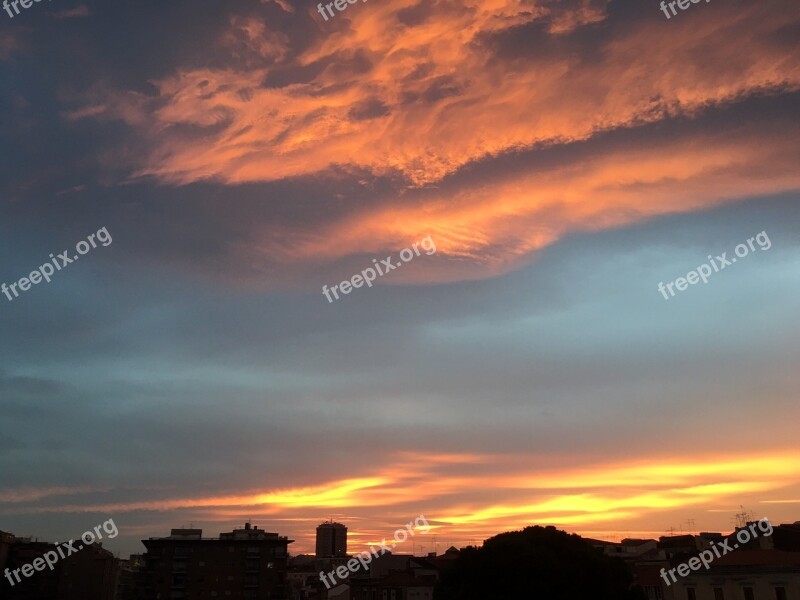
point(748, 593)
point(652, 591)
point(252, 565)
point(719, 594)
point(780, 593)
point(690, 594)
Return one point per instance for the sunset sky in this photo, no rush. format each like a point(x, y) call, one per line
point(565, 157)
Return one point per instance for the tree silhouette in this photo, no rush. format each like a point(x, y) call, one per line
point(537, 563)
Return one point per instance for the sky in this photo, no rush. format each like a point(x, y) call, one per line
point(557, 160)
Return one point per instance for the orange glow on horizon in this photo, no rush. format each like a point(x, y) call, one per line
point(458, 504)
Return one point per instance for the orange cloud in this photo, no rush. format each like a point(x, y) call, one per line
point(440, 78)
point(30, 494)
point(456, 493)
point(494, 226)
point(425, 91)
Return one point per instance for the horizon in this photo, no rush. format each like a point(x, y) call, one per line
point(609, 536)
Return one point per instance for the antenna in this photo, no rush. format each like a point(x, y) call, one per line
point(692, 527)
point(741, 518)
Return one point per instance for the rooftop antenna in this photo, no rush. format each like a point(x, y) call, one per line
point(692, 527)
point(742, 518)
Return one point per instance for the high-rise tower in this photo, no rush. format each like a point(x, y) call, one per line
point(331, 540)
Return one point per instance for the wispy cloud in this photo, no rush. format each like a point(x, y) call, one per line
point(284, 4)
point(436, 76)
point(575, 497)
point(344, 101)
point(73, 13)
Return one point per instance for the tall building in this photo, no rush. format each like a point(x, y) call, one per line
point(331, 540)
point(87, 574)
point(129, 577)
point(91, 573)
point(248, 563)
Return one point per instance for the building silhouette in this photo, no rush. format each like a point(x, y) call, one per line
point(247, 563)
point(89, 574)
point(250, 563)
point(331, 540)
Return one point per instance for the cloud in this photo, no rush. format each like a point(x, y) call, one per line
point(73, 13)
point(10, 44)
point(248, 40)
point(443, 79)
point(27, 494)
point(534, 81)
point(571, 496)
point(567, 16)
point(285, 6)
point(491, 227)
